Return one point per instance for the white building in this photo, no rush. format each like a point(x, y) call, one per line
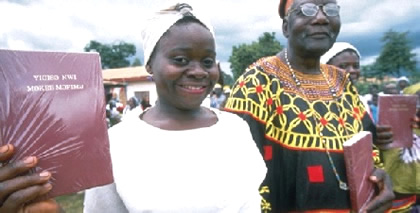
point(132, 81)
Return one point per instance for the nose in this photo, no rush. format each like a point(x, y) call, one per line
point(196, 70)
point(320, 16)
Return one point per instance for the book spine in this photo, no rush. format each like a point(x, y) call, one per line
point(348, 153)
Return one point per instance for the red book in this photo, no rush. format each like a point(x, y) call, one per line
point(52, 106)
point(359, 166)
point(397, 112)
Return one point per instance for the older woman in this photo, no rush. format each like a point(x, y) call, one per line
point(300, 112)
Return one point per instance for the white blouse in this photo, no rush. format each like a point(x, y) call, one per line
point(212, 169)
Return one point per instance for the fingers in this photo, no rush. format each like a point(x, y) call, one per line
point(16, 187)
point(384, 136)
point(383, 200)
point(6, 152)
point(16, 168)
point(50, 206)
point(9, 187)
point(415, 122)
point(18, 199)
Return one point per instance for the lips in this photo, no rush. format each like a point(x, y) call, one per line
point(319, 34)
point(194, 89)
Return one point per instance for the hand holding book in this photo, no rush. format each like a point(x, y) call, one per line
point(361, 181)
point(18, 191)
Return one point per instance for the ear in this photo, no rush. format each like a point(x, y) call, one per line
point(285, 27)
point(149, 69)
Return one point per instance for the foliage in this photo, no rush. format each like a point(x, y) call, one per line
point(245, 54)
point(136, 62)
point(396, 56)
point(225, 79)
point(372, 71)
point(72, 203)
point(112, 55)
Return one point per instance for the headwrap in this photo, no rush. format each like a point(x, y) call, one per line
point(161, 21)
point(284, 7)
point(336, 49)
point(403, 78)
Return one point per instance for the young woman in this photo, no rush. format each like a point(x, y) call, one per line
point(176, 164)
point(168, 159)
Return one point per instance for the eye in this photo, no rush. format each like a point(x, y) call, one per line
point(180, 60)
point(208, 62)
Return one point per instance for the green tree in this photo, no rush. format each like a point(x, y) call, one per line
point(136, 62)
point(396, 54)
point(245, 54)
point(112, 55)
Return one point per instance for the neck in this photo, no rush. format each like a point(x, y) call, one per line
point(165, 111)
point(303, 64)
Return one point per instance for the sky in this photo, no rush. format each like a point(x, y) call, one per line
point(64, 25)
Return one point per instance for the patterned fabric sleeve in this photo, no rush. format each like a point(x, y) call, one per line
point(252, 99)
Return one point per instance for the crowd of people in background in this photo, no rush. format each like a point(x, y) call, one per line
point(116, 111)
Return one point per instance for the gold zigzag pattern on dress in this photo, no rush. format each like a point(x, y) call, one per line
point(338, 119)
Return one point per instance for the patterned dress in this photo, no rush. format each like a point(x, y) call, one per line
point(289, 123)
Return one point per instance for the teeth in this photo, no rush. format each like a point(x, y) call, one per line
point(192, 87)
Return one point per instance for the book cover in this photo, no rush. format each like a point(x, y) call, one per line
point(359, 166)
point(397, 112)
point(52, 106)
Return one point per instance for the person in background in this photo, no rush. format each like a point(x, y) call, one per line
point(345, 56)
point(390, 88)
point(226, 93)
point(175, 165)
point(145, 103)
point(373, 89)
point(133, 108)
point(373, 106)
point(402, 83)
point(218, 97)
point(300, 112)
point(403, 165)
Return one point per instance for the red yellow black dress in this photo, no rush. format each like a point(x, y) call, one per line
point(287, 120)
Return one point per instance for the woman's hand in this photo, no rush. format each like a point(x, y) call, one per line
point(383, 201)
point(18, 190)
point(384, 136)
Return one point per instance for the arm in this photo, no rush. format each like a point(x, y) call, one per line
point(18, 190)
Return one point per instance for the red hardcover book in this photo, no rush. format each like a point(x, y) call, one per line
point(52, 106)
point(359, 166)
point(397, 112)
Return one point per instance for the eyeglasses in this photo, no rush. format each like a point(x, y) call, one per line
point(310, 9)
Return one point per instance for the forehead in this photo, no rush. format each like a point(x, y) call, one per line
point(187, 36)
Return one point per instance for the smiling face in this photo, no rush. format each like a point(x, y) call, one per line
point(348, 60)
point(184, 66)
point(311, 36)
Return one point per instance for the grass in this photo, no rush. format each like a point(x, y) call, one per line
point(71, 203)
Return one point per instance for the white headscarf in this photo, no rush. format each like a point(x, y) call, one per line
point(157, 25)
point(336, 49)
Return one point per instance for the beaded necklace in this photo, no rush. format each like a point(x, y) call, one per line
point(341, 183)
